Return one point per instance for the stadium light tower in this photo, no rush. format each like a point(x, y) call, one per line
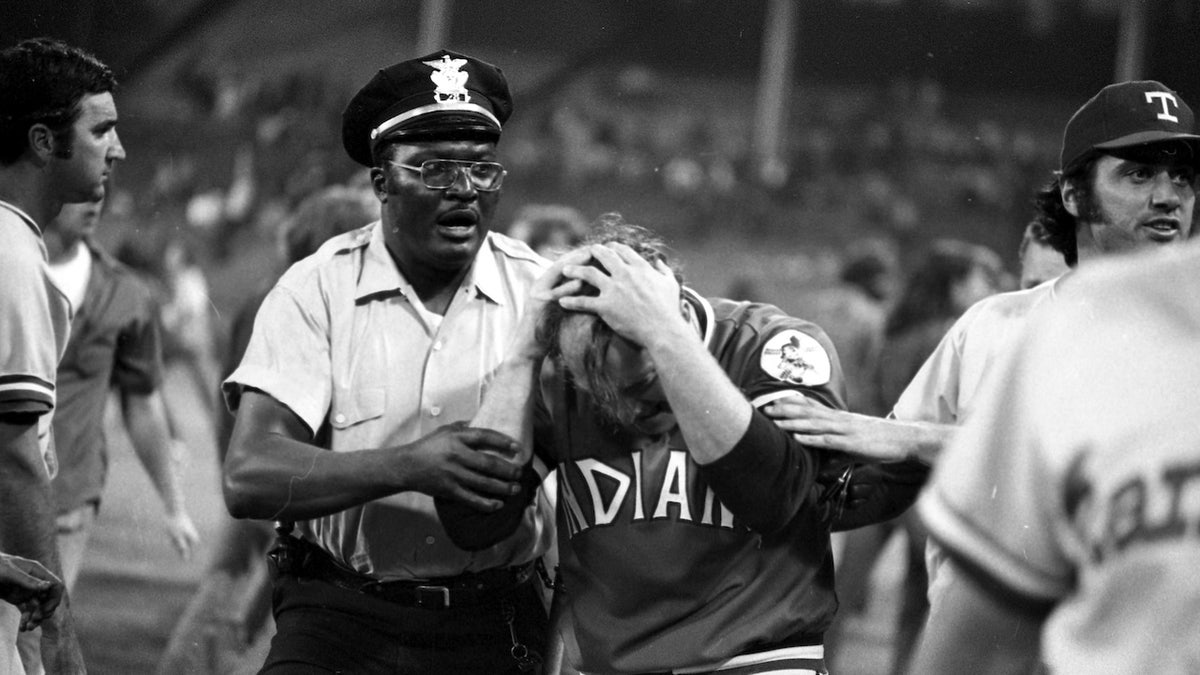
point(774, 91)
point(434, 25)
point(1131, 42)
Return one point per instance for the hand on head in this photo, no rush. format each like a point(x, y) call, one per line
point(634, 297)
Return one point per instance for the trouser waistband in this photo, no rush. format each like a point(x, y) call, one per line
point(300, 558)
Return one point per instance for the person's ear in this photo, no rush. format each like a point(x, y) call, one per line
point(379, 183)
point(1070, 197)
point(42, 143)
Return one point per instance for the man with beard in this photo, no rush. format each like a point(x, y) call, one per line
point(693, 532)
point(1127, 182)
point(366, 360)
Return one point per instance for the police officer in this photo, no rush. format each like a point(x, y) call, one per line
point(367, 359)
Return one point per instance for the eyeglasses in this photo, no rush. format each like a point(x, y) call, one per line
point(442, 174)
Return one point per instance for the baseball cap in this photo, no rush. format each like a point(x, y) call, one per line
point(1128, 114)
point(441, 96)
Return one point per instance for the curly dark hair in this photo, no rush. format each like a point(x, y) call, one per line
point(1053, 215)
point(43, 82)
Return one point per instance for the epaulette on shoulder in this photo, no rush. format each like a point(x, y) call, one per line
point(515, 248)
point(347, 241)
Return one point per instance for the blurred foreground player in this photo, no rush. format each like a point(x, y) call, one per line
point(693, 532)
point(1071, 498)
point(366, 361)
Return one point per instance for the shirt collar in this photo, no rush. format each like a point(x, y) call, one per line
point(702, 315)
point(22, 215)
point(381, 276)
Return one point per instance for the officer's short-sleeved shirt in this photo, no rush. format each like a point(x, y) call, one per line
point(114, 343)
point(1076, 482)
point(35, 321)
point(339, 343)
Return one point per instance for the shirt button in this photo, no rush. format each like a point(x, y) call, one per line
point(429, 540)
point(435, 411)
point(339, 418)
point(437, 346)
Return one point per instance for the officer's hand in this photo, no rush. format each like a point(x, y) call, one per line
point(477, 467)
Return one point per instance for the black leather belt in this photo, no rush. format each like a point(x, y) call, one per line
point(465, 590)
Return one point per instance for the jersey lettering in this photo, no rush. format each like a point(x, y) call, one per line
point(1145, 510)
point(613, 491)
point(604, 514)
point(674, 488)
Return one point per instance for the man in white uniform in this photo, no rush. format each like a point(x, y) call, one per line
point(1070, 498)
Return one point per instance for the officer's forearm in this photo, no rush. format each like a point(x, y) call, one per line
point(269, 477)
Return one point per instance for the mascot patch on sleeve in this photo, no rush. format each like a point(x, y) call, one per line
point(795, 357)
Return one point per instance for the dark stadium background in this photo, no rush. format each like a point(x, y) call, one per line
point(911, 119)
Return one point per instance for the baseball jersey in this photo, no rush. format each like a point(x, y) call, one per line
point(944, 388)
point(1076, 483)
point(114, 343)
point(35, 321)
point(659, 574)
point(344, 342)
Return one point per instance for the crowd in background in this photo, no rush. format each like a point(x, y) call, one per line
point(891, 158)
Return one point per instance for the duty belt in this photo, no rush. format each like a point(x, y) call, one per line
point(305, 560)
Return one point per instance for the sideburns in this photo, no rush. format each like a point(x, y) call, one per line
point(63, 148)
point(1090, 210)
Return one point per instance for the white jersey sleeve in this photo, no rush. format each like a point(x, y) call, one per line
point(993, 500)
point(1076, 481)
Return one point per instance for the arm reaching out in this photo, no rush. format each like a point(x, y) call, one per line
point(866, 438)
point(274, 472)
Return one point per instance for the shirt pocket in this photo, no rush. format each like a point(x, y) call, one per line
point(361, 405)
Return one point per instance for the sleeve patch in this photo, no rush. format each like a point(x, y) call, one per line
point(797, 358)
